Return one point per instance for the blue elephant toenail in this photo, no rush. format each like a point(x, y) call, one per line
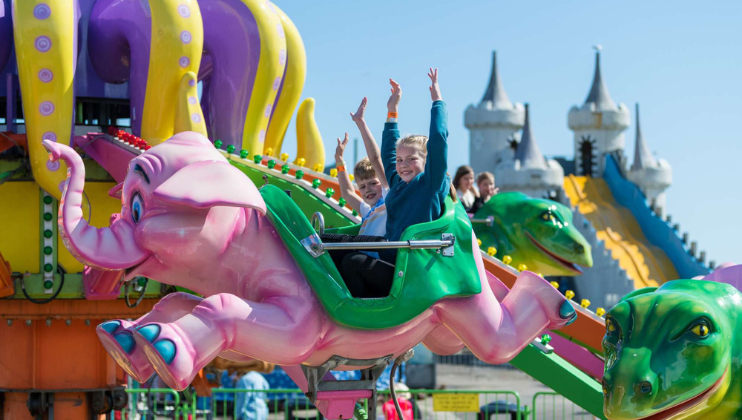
point(125, 340)
point(150, 332)
point(166, 348)
point(567, 311)
point(110, 326)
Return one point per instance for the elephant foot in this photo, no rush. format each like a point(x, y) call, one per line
point(558, 309)
point(171, 355)
point(118, 340)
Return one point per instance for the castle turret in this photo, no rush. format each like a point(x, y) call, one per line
point(528, 171)
point(652, 176)
point(598, 127)
point(493, 124)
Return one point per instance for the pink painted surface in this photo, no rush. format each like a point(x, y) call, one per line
point(101, 284)
point(111, 157)
point(191, 219)
point(339, 404)
point(578, 356)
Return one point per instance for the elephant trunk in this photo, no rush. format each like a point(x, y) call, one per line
point(111, 248)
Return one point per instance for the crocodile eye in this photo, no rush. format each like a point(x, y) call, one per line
point(700, 329)
point(610, 326)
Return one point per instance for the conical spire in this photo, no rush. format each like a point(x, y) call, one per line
point(642, 156)
point(598, 92)
point(528, 153)
point(495, 93)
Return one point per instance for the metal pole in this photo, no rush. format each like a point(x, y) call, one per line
point(10, 103)
point(424, 244)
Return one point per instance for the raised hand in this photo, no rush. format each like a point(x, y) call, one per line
point(358, 116)
point(396, 95)
point(340, 149)
point(435, 91)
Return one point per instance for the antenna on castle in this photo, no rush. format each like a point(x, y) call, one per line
point(598, 47)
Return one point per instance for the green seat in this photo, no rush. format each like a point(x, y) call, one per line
point(424, 276)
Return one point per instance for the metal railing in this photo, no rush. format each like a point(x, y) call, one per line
point(553, 406)
point(152, 403)
point(466, 358)
point(291, 404)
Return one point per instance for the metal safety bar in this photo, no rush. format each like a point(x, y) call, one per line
point(489, 221)
point(314, 245)
point(426, 244)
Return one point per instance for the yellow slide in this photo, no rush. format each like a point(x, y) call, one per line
point(643, 262)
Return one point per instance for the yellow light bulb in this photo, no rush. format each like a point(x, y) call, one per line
point(585, 303)
point(285, 157)
point(507, 259)
point(351, 177)
point(334, 173)
point(600, 312)
point(269, 151)
point(569, 294)
point(479, 242)
point(318, 167)
point(555, 284)
point(540, 275)
point(522, 267)
point(301, 161)
point(491, 251)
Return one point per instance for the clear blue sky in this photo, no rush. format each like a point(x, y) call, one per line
point(682, 62)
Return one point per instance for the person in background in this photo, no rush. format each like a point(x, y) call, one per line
point(405, 404)
point(486, 185)
point(251, 405)
point(463, 182)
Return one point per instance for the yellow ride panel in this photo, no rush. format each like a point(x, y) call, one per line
point(643, 262)
point(19, 225)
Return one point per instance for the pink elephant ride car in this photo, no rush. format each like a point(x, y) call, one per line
point(270, 290)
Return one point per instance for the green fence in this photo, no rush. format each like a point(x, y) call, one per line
point(291, 404)
point(553, 406)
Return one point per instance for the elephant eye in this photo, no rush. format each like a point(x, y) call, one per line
point(137, 207)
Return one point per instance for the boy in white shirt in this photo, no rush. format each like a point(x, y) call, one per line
point(369, 176)
point(373, 186)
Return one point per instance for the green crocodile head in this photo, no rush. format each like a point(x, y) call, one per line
point(673, 352)
point(535, 232)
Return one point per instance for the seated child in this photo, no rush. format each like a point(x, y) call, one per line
point(415, 168)
point(486, 185)
point(369, 176)
point(463, 182)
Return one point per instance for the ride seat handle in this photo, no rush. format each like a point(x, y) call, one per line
point(318, 218)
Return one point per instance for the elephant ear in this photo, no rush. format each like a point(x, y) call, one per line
point(209, 184)
point(115, 192)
